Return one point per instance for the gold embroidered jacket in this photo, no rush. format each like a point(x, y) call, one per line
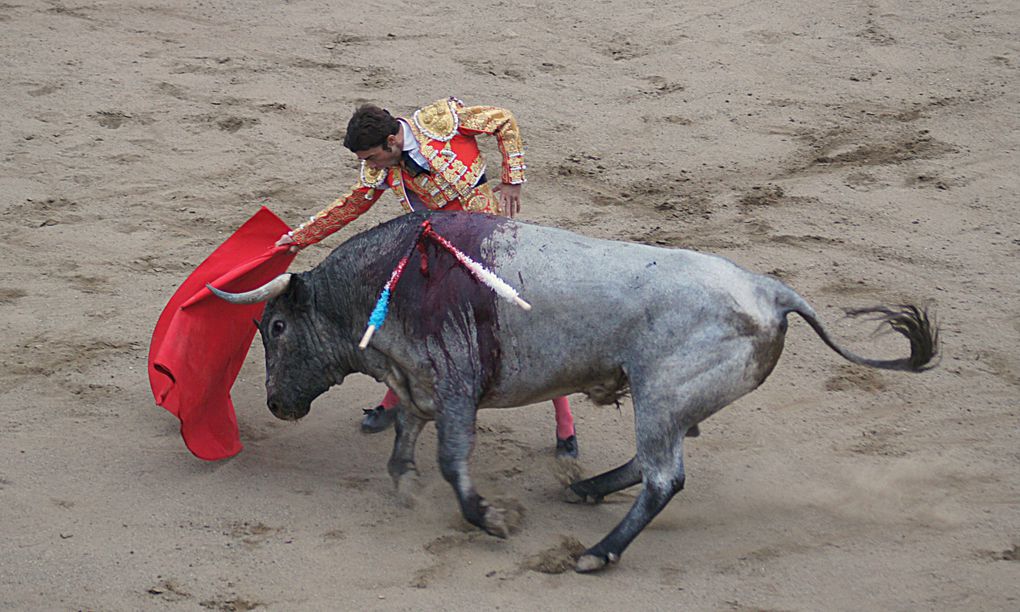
point(446, 132)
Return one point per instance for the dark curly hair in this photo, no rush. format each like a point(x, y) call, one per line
point(369, 127)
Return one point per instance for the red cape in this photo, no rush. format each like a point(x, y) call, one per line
point(200, 341)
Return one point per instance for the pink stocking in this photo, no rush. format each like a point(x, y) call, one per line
point(564, 419)
point(390, 400)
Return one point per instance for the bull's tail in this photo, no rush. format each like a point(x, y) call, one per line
point(912, 322)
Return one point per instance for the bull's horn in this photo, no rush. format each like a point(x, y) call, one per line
point(266, 292)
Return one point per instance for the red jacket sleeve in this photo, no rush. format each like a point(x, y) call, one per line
point(500, 123)
point(338, 214)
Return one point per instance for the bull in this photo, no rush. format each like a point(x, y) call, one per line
point(684, 333)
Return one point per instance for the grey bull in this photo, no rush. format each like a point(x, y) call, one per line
point(685, 333)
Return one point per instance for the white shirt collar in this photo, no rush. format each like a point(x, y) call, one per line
point(412, 147)
point(410, 142)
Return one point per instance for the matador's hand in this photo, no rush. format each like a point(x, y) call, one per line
point(509, 198)
point(286, 239)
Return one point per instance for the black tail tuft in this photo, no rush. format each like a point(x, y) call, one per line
point(915, 325)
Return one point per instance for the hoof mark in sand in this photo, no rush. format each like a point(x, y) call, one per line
point(111, 120)
point(46, 356)
point(233, 604)
point(671, 119)
point(1000, 365)
point(226, 123)
point(848, 287)
point(153, 264)
point(488, 67)
point(174, 91)
point(1010, 554)
point(620, 48)
point(9, 295)
point(862, 181)
point(45, 90)
point(439, 547)
point(551, 67)
point(762, 195)
point(68, 12)
point(334, 535)
point(251, 534)
point(556, 559)
point(376, 77)
point(95, 393)
point(445, 543)
point(659, 86)
point(90, 284)
point(879, 442)
point(316, 65)
point(233, 124)
point(805, 240)
point(876, 34)
point(924, 181)
point(169, 590)
point(853, 378)
point(917, 146)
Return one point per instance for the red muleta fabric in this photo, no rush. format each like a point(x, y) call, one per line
point(200, 341)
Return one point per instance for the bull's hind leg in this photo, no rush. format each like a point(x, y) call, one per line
point(670, 397)
point(455, 428)
point(660, 466)
point(593, 489)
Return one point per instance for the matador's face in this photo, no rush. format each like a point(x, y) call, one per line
point(382, 156)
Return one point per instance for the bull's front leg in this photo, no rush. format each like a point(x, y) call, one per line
point(455, 427)
point(401, 465)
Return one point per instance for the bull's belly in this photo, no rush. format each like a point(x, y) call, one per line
point(603, 388)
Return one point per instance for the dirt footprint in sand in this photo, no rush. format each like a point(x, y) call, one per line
point(168, 590)
point(440, 549)
point(851, 378)
point(9, 295)
point(556, 559)
point(231, 604)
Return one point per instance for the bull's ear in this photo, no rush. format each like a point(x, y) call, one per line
point(299, 291)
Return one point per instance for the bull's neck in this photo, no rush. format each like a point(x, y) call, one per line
point(345, 304)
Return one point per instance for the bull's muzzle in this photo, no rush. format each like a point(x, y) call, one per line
point(287, 412)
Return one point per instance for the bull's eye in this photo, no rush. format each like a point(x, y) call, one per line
point(277, 328)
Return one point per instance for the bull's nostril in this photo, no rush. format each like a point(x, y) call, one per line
point(274, 407)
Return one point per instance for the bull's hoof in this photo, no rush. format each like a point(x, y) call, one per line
point(592, 563)
point(573, 497)
point(408, 487)
point(495, 522)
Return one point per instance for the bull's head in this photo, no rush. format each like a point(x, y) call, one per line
point(301, 350)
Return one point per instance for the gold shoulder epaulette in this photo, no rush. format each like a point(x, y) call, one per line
point(370, 177)
point(439, 120)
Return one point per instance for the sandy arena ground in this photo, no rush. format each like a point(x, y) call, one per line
point(865, 152)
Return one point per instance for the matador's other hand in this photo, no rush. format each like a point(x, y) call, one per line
point(509, 198)
point(286, 239)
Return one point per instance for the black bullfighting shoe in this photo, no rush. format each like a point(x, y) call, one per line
point(566, 448)
point(378, 419)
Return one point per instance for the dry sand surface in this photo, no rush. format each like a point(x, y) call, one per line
point(865, 152)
